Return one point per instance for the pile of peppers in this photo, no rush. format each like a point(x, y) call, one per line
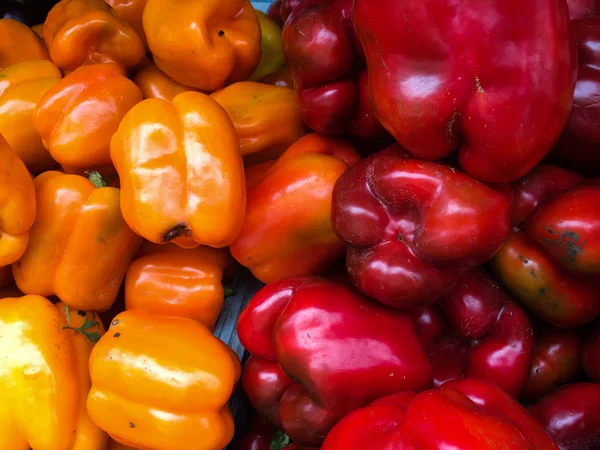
point(415, 185)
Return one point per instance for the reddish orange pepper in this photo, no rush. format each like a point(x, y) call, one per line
point(79, 246)
point(19, 43)
point(78, 116)
point(182, 176)
point(131, 11)
point(155, 84)
point(287, 230)
point(162, 383)
point(80, 32)
point(205, 44)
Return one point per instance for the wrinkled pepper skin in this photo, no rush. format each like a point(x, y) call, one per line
point(407, 245)
point(287, 229)
point(19, 43)
point(469, 414)
point(79, 246)
point(206, 44)
point(21, 87)
point(17, 205)
point(342, 350)
point(131, 11)
point(590, 355)
point(552, 263)
point(446, 79)
point(570, 415)
point(184, 178)
point(272, 59)
point(78, 116)
point(178, 282)
point(155, 84)
point(44, 376)
point(320, 49)
point(578, 9)
point(469, 327)
point(267, 118)
point(162, 383)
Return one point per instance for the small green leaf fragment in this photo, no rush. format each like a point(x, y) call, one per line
point(280, 440)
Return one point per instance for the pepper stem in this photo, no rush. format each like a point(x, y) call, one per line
point(95, 178)
point(92, 336)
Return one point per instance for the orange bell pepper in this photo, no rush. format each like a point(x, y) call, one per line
point(162, 383)
point(21, 87)
point(267, 118)
point(44, 378)
point(205, 44)
point(79, 246)
point(77, 117)
point(80, 32)
point(182, 176)
point(131, 12)
point(17, 205)
point(155, 84)
point(178, 282)
point(19, 43)
point(39, 30)
point(287, 230)
point(114, 445)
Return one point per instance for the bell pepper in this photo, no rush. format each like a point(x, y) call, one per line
point(77, 117)
point(19, 43)
point(162, 383)
point(267, 118)
point(184, 178)
point(204, 44)
point(287, 229)
point(320, 350)
point(281, 78)
point(17, 205)
point(114, 445)
point(6, 277)
point(286, 8)
point(578, 9)
point(320, 49)
point(178, 282)
point(589, 354)
point(260, 436)
point(551, 263)
point(21, 87)
point(471, 324)
point(79, 246)
point(44, 351)
point(80, 32)
point(274, 12)
point(131, 11)
point(272, 59)
point(493, 80)
point(570, 415)
point(413, 226)
point(155, 84)
point(469, 414)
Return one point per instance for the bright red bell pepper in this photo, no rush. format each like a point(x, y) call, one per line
point(579, 9)
point(468, 414)
point(590, 356)
point(320, 350)
point(493, 79)
point(415, 226)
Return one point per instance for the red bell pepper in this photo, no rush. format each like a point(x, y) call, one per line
point(493, 79)
point(579, 9)
point(274, 12)
point(590, 356)
point(468, 414)
point(328, 69)
point(320, 350)
point(570, 415)
point(415, 226)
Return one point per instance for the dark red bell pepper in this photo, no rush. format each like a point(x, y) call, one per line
point(579, 9)
point(327, 66)
point(590, 356)
point(341, 350)
point(469, 414)
point(274, 12)
point(413, 226)
point(493, 79)
point(480, 333)
point(571, 416)
point(260, 436)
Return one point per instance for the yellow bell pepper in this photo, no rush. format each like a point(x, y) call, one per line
point(272, 59)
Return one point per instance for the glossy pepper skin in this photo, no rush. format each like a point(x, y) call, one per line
point(469, 414)
point(320, 49)
point(178, 282)
point(44, 376)
point(79, 246)
point(342, 350)
point(570, 415)
point(21, 87)
point(155, 84)
point(287, 229)
point(162, 383)
point(272, 59)
point(17, 205)
point(185, 175)
point(446, 80)
point(78, 116)
point(469, 327)
point(590, 353)
point(267, 118)
point(413, 227)
point(204, 44)
point(81, 32)
point(19, 43)
point(131, 11)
